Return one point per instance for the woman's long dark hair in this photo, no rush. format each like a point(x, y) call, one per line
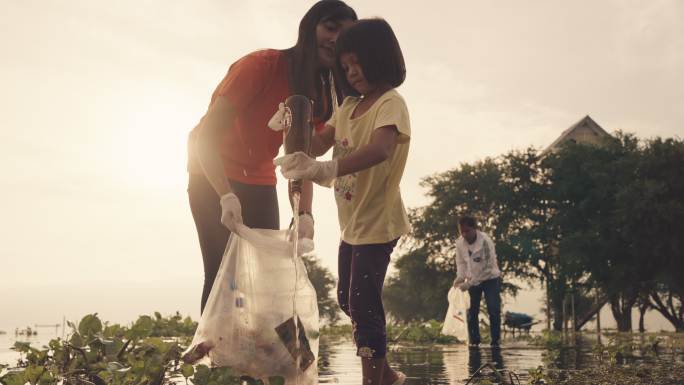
point(305, 76)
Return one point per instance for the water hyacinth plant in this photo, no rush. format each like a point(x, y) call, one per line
point(95, 353)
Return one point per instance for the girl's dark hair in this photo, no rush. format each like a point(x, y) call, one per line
point(303, 69)
point(378, 52)
point(468, 221)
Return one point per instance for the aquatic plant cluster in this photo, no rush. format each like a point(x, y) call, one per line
point(146, 352)
point(428, 332)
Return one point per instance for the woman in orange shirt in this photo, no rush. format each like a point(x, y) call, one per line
point(230, 161)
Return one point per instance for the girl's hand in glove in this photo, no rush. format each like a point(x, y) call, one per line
point(301, 166)
point(231, 211)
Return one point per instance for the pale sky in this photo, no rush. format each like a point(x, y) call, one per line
point(97, 97)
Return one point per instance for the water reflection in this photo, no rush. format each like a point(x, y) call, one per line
point(475, 358)
point(440, 364)
point(454, 364)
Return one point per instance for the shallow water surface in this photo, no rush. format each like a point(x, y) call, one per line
point(435, 364)
point(455, 363)
point(445, 364)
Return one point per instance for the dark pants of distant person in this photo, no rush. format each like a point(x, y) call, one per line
point(362, 270)
point(259, 210)
point(492, 293)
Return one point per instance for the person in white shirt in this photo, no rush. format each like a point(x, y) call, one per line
point(478, 272)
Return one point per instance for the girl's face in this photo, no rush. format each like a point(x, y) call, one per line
point(326, 36)
point(354, 73)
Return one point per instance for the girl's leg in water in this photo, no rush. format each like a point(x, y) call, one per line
point(367, 274)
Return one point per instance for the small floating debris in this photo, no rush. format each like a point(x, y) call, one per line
point(25, 332)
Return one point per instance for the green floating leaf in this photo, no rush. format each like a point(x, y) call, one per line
point(112, 347)
point(113, 366)
point(202, 374)
point(22, 347)
point(33, 373)
point(76, 340)
point(90, 325)
point(187, 370)
point(142, 327)
point(14, 378)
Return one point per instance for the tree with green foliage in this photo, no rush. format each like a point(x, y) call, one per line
point(487, 190)
point(587, 219)
point(418, 291)
point(620, 212)
point(653, 210)
point(323, 282)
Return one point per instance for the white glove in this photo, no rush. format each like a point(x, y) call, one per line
point(306, 226)
point(277, 122)
point(301, 166)
point(231, 211)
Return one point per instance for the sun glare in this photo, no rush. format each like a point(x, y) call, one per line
point(155, 141)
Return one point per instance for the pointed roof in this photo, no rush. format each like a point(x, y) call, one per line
point(586, 123)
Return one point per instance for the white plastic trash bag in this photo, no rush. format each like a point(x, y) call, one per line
point(248, 323)
point(455, 323)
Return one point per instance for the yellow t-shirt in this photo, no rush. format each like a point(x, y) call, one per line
point(369, 204)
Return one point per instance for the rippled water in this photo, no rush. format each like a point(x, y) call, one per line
point(436, 364)
point(454, 364)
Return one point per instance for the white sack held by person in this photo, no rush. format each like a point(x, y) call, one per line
point(455, 323)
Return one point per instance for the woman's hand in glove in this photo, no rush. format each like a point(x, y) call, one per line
point(306, 226)
point(231, 211)
point(300, 166)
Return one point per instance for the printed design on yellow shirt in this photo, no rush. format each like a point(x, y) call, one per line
point(345, 186)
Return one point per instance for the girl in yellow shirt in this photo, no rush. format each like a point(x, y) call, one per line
point(370, 135)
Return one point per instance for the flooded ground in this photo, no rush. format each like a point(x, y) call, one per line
point(455, 363)
point(437, 364)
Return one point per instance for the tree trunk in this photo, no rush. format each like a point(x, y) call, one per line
point(623, 319)
point(668, 310)
point(621, 306)
point(548, 307)
point(557, 306)
point(642, 313)
point(557, 293)
point(594, 310)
